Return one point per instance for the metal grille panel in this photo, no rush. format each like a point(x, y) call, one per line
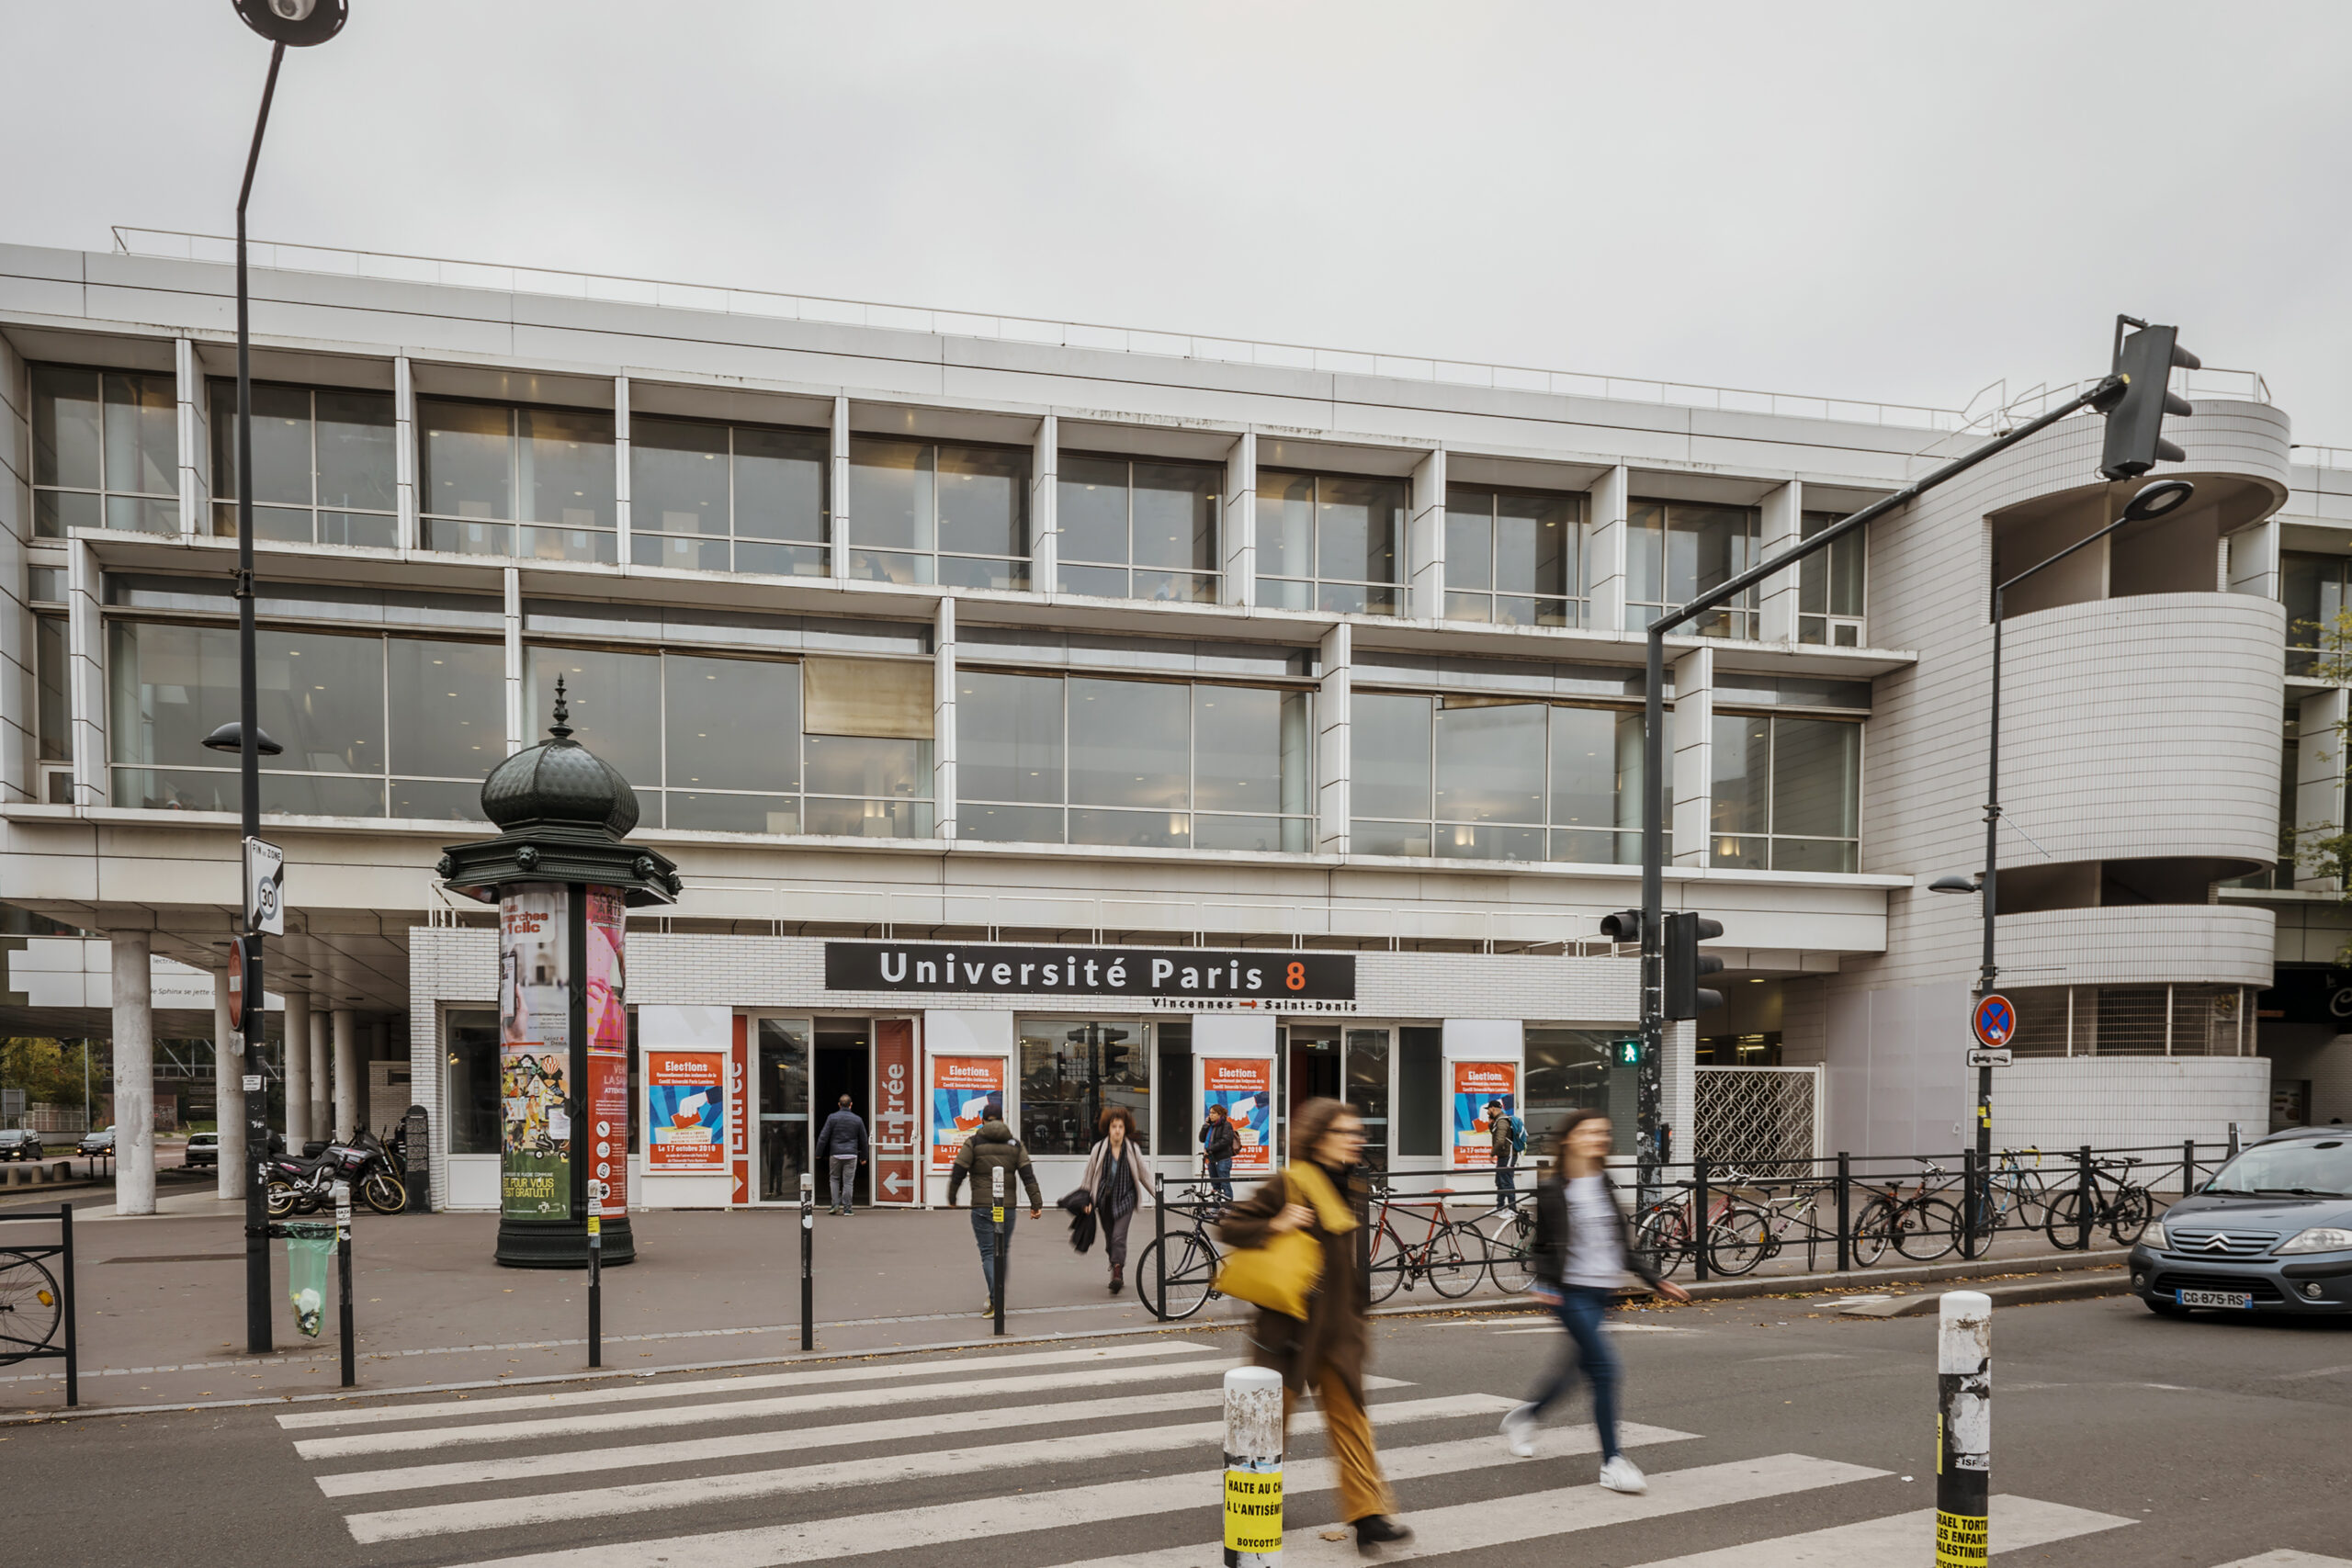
point(1762, 1120)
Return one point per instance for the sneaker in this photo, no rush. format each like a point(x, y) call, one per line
point(1376, 1530)
point(1519, 1432)
point(988, 1309)
point(1622, 1474)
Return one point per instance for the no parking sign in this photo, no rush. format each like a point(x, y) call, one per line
point(1994, 1020)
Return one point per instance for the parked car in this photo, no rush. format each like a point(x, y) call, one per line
point(204, 1148)
point(96, 1143)
point(2271, 1231)
point(18, 1143)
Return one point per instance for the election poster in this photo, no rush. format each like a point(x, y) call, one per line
point(1476, 1086)
point(686, 1111)
point(1245, 1087)
point(962, 1091)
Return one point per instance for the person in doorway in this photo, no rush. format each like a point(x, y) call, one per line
point(1505, 1131)
point(1220, 1142)
point(841, 1145)
point(1581, 1256)
point(1321, 1192)
point(992, 1148)
point(1116, 1177)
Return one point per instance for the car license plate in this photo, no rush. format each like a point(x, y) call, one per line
point(2241, 1298)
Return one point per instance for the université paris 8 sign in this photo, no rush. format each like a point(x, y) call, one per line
point(1276, 978)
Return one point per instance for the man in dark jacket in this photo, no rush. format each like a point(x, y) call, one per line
point(1506, 1135)
point(990, 1149)
point(1219, 1144)
point(840, 1143)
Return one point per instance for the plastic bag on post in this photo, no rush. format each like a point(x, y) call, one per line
point(310, 1252)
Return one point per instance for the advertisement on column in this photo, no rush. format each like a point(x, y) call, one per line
point(534, 1052)
point(1245, 1087)
point(1477, 1083)
point(607, 977)
point(961, 1090)
point(686, 1111)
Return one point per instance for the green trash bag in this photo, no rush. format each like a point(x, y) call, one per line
point(309, 1249)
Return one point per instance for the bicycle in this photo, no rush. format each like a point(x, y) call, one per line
point(1510, 1236)
point(1753, 1231)
point(1194, 1259)
point(28, 1306)
point(2120, 1208)
point(1922, 1227)
point(1452, 1255)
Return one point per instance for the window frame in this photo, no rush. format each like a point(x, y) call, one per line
point(821, 547)
point(1771, 837)
point(604, 539)
point(1206, 581)
point(1817, 576)
point(223, 519)
point(1021, 576)
point(1316, 581)
point(138, 501)
point(1740, 621)
point(1574, 598)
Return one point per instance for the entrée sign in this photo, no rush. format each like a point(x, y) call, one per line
point(1273, 976)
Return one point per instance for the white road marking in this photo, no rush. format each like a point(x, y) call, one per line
point(1902, 1538)
point(2291, 1559)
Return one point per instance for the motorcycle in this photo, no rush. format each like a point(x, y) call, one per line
point(307, 1186)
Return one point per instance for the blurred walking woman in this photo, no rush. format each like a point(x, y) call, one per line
point(1118, 1177)
point(1320, 1192)
point(1581, 1256)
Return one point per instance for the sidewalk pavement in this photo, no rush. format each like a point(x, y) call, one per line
point(162, 1299)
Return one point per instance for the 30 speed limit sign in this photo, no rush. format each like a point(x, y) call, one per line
point(264, 887)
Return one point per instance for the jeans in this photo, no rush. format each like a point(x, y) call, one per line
point(844, 1182)
point(1506, 1187)
point(1221, 1180)
point(984, 1232)
point(1580, 1310)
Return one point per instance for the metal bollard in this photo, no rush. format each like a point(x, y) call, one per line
point(2188, 1166)
point(2083, 1198)
point(596, 1273)
point(1844, 1210)
point(1253, 1467)
point(1973, 1195)
point(342, 1276)
point(1963, 1428)
point(1699, 1226)
point(2233, 1140)
point(1003, 1243)
point(807, 1262)
point(1158, 1247)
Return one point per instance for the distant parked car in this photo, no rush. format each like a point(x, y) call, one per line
point(204, 1148)
point(96, 1143)
point(17, 1143)
point(2270, 1232)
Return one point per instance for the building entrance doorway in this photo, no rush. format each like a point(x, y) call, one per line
point(845, 1065)
point(1336, 1063)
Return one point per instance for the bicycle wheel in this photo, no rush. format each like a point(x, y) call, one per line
point(1457, 1259)
point(29, 1307)
point(1192, 1275)
point(1927, 1229)
point(1665, 1235)
point(1511, 1252)
point(2065, 1224)
point(1389, 1262)
point(1740, 1240)
point(2128, 1216)
point(383, 1192)
point(1874, 1230)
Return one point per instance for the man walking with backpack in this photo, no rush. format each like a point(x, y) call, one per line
point(1510, 1139)
point(840, 1143)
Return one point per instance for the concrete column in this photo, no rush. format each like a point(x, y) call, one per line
point(2252, 560)
point(1332, 765)
point(1692, 729)
point(196, 451)
point(322, 1075)
point(839, 491)
point(296, 1048)
point(86, 673)
point(134, 1075)
point(1784, 523)
point(350, 1077)
point(620, 468)
point(1425, 541)
point(943, 719)
point(379, 1040)
point(1605, 567)
point(1237, 539)
point(404, 452)
point(2319, 780)
point(229, 1066)
point(518, 723)
point(1045, 509)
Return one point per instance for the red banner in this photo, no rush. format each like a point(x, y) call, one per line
point(896, 1178)
point(739, 1091)
point(608, 1116)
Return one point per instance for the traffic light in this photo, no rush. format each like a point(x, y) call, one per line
point(2135, 419)
point(1625, 925)
point(1625, 1052)
point(1684, 964)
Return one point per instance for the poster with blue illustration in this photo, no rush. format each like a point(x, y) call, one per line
point(1476, 1085)
point(1245, 1087)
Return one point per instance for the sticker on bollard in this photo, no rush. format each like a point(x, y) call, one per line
point(1253, 1467)
point(1963, 1428)
point(1253, 1511)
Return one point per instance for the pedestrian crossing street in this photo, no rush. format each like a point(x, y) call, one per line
point(1065, 1457)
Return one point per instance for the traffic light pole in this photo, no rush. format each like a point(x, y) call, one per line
point(1651, 1155)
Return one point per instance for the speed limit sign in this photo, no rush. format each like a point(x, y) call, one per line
point(264, 887)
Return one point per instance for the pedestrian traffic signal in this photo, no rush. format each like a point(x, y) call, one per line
point(1684, 964)
point(1625, 1053)
point(2135, 419)
point(1625, 925)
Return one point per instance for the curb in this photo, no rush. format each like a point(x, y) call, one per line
point(2085, 1287)
point(1929, 1273)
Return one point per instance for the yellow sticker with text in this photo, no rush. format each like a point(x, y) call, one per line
point(1253, 1511)
point(1961, 1541)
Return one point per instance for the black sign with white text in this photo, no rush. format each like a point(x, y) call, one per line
point(1272, 975)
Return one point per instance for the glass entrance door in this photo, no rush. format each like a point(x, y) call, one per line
point(1326, 1062)
point(1366, 1071)
point(783, 1090)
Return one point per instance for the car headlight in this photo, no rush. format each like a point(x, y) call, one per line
point(2155, 1235)
point(2319, 1238)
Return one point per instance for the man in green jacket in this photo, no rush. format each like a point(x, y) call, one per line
point(990, 1149)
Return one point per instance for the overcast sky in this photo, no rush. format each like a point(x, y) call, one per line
point(1873, 201)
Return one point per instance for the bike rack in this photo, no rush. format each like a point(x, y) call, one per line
point(63, 1250)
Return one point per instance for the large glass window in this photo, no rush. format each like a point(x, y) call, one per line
point(1512, 557)
point(477, 1124)
point(2314, 589)
point(358, 717)
point(1048, 758)
point(324, 468)
point(924, 513)
point(1478, 778)
point(728, 497)
point(1676, 552)
point(1568, 1069)
point(53, 705)
point(738, 746)
point(784, 1105)
point(502, 481)
point(1786, 793)
point(1829, 586)
point(1072, 1071)
point(106, 451)
point(1139, 530)
point(1329, 542)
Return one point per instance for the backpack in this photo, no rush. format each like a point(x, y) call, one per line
point(1518, 1134)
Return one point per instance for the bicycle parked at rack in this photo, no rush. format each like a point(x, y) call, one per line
point(1451, 1254)
point(2120, 1208)
point(1922, 1227)
point(1193, 1257)
point(1752, 1230)
point(1510, 1235)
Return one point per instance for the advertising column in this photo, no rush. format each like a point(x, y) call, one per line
point(609, 1049)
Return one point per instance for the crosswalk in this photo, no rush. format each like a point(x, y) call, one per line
point(1070, 1457)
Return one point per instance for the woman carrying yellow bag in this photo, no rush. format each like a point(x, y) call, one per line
point(1310, 1326)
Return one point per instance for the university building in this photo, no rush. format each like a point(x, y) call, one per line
point(1058, 648)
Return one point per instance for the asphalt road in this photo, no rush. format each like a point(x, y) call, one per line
point(2118, 1439)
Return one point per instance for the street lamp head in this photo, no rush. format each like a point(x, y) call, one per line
point(2156, 499)
point(1955, 883)
point(294, 23)
point(230, 737)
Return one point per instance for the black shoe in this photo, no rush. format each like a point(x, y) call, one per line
point(1376, 1530)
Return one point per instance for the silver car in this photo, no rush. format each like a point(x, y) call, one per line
point(2270, 1232)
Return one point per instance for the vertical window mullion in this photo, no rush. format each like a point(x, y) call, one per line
point(1130, 561)
point(314, 484)
point(384, 673)
point(1066, 806)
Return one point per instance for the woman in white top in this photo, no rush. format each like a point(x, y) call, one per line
point(1581, 1256)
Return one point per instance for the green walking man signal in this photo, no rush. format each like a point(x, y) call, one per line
point(1628, 1052)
